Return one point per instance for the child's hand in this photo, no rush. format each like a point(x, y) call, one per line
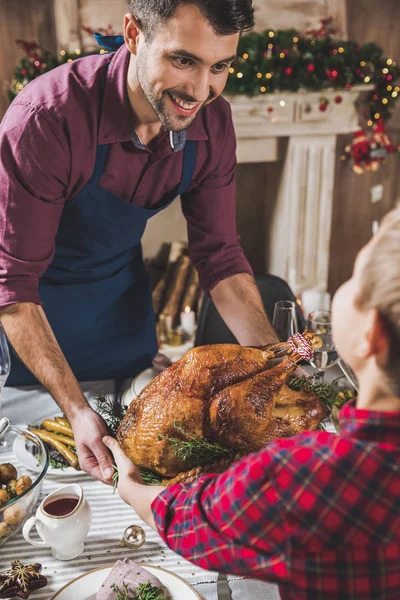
point(127, 470)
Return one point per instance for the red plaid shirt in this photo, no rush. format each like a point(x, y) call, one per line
point(317, 513)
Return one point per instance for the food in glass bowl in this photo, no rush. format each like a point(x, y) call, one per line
point(343, 392)
point(19, 491)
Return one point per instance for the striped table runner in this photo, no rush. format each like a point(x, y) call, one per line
point(102, 547)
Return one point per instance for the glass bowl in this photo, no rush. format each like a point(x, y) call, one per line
point(18, 497)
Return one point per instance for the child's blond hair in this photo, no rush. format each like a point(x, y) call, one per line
point(380, 289)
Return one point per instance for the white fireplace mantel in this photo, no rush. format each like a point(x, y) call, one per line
point(299, 242)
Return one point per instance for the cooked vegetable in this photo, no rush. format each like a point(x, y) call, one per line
point(14, 514)
point(11, 487)
point(7, 472)
point(22, 484)
point(52, 439)
point(51, 425)
point(5, 530)
point(64, 439)
point(4, 497)
point(63, 421)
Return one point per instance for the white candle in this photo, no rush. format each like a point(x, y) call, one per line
point(188, 321)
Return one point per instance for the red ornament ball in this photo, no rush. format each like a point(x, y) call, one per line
point(311, 68)
point(288, 71)
point(323, 106)
point(348, 86)
point(338, 99)
point(24, 71)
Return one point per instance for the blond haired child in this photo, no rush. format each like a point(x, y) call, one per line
point(317, 513)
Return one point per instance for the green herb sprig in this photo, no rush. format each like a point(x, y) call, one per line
point(325, 392)
point(144, 591)
point(112, 412)
point(149, 477)
point(193, 450)
point(115, 479)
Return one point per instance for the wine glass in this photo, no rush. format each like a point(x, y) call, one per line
point(325, 357)
point(5, 365)
point(285, 319)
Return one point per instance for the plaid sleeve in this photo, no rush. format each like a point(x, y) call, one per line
point(232, 522)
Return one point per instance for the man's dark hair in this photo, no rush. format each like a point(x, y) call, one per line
point(226, 16)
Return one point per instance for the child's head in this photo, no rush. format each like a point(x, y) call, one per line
point(366, 309)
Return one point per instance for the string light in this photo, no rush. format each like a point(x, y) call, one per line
point(271, 34)
point(263, 89)
point(394, 94)
point(282, 103)
point(295, 39)
point(282, 55)
point(367, 79)
point(259, 75)
point(231, 70)
point(270, 46)
point(385, 71)
point(69, 60)
point(397, 89)
point(245, 56)
point(389, 88)
point(62, 52)
point(103, 51)
point(77, 51)
point(239, 75)
point(389, 61)
point(377, 116)
point(369, 123)
point(362, 63)
point(385, 100)
point(341, 49)
point(268, 75)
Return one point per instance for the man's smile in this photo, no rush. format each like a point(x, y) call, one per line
point(184, 108)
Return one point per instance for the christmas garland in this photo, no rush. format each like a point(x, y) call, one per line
point(282, 61)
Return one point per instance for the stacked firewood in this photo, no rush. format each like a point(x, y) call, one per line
point(175, 284)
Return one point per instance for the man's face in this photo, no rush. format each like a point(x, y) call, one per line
point(184, 67)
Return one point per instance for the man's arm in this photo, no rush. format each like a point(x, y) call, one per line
point(32, 338)
point(239, 303)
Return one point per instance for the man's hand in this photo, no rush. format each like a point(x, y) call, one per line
point(94, 458)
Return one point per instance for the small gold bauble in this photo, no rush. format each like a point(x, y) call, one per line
point(134, 536)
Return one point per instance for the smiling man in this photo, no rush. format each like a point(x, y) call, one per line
point(88, 153)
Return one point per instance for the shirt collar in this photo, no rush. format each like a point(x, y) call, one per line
point(116, 115)
point(371, 425)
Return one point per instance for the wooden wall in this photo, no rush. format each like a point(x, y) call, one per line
point(28, 20)
point(353, 212)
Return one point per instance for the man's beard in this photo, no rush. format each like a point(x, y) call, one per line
point(159, 105)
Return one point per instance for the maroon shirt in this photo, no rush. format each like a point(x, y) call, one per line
point(48, 141)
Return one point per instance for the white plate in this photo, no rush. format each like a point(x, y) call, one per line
point(86, 586)
point(137, 384)
point(28, 460)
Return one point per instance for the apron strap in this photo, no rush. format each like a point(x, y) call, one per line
point(189, 163)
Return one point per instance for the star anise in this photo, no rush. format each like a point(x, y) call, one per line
point(21, 580)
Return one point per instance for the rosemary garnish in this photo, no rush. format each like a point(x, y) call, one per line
point(149, 477)
point(115, 478)
point(112, 412)
point(194, 450)
point(144, 591)
point(325, 392)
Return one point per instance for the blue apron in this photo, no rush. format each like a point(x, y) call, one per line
point(96, 291)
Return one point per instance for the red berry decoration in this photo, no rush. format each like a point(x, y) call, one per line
point(338, 99)
point(288, 71)
point(270, 109)
point(311, 68)
point(323, 107)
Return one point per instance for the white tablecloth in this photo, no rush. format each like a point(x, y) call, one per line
point(110, 518)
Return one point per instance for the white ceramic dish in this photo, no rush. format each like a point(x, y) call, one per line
point(138, 383)
point(86, 586)
point(29, 461)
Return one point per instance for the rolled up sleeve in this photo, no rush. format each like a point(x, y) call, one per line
point(210, 212)
point(34, 171)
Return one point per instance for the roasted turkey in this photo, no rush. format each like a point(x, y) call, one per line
point(224, 392)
